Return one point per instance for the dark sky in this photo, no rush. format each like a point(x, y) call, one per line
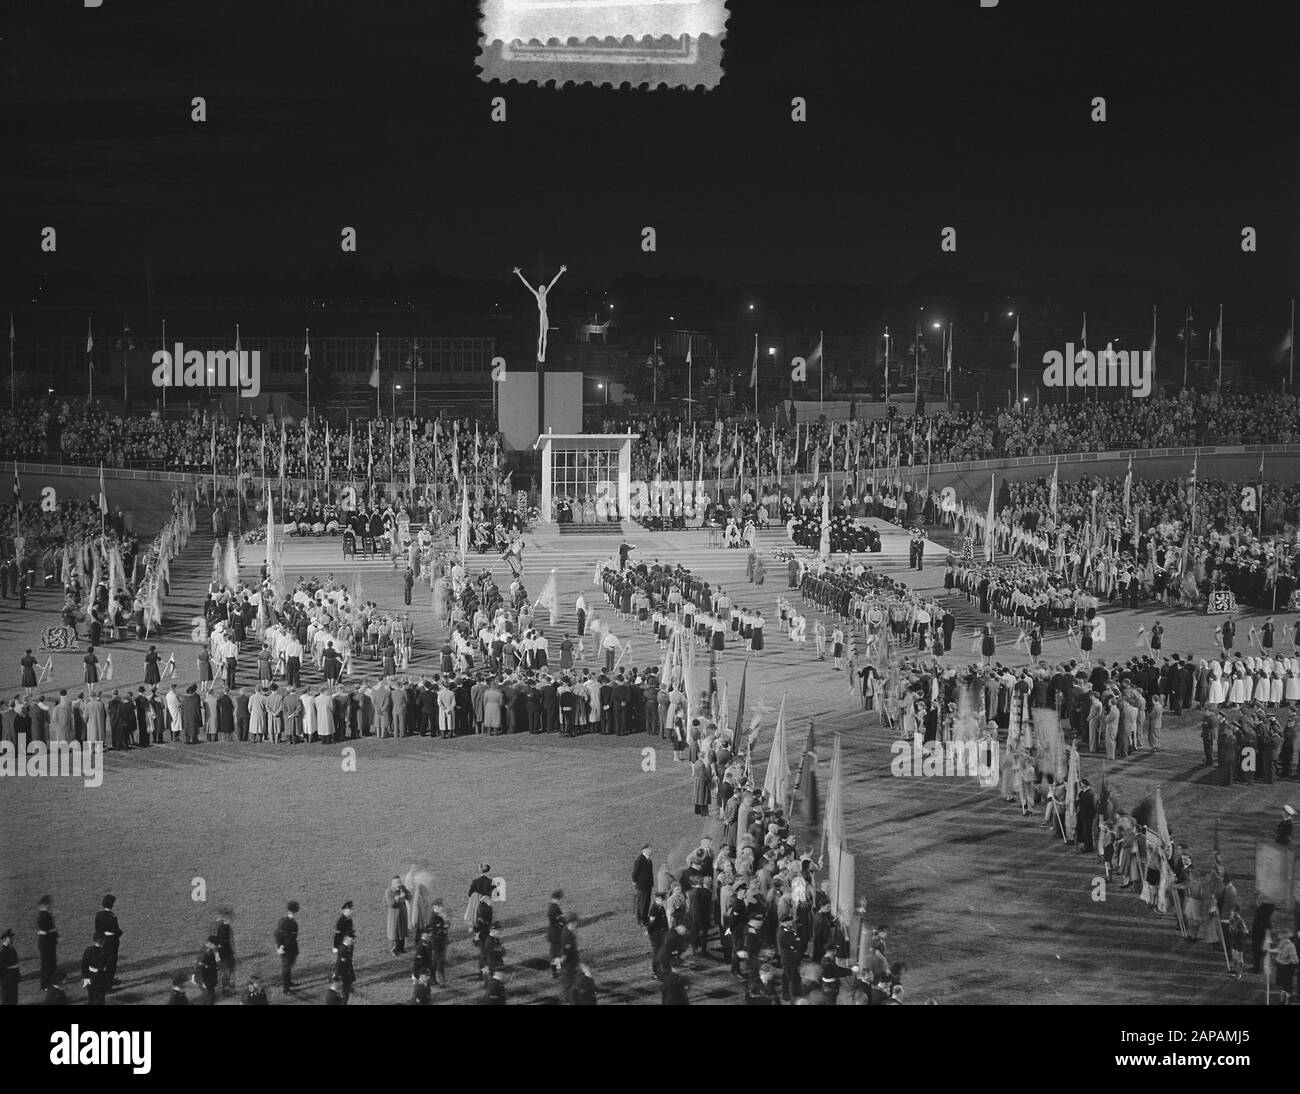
point(922, 113)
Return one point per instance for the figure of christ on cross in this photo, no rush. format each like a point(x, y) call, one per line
point(539, 294)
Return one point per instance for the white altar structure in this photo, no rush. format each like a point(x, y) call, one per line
point(584, 467)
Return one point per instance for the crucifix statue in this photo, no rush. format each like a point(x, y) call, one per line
point(539, 294)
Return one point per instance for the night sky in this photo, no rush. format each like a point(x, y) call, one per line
point(922, 113)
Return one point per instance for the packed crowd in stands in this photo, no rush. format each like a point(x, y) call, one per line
point(949, 437)
point(1168, 559)
point(75, 433)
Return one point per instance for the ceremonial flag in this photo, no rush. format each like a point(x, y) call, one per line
point(989, 519)
point(1052, 496)
point(239, 456)
point(740, 710)
point(327, 454)
point(776, 780)
point(1015, 341)
point(350, 463)
point(90, 348)
point(1154, 324)
point(833, 823)
point(18, 492)
point(825, 545)
point(753, 372)
point(549, 599)
point(464, 523)
point(237, 347)
point(284, 444)
point(1083, 337)
point(455, 450)
point(807, 800)
point(103, 496)
point(1128, 488)
point(410, 456)
point(948, 364)
point(270, 539)
point(1218, 332)
point(306, 351)
point(374, 371)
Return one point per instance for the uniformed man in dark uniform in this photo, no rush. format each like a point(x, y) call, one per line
point(495, 992)
point(207, 973)
point(94, 972)
point(438, 930)
point(656, 930)
point(343, 926)
point(334, 996)
point(9, 974)
point(55, 996)
point(344, 972)
point(177, 997)
point(47, 942)
point(254, 994)
point(286, 945)
point(583, 992)
point(226, 952)
point(570, 958)
point(421, 993)
point(555, 931)
point(106, 924)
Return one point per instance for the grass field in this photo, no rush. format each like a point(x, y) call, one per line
point(982, 904)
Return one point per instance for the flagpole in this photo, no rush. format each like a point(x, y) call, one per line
point(1187, 340)
point(1218, 337)
point(756, 374)
point(1017, 363)
point(13, 398)
point(886, 366)
point(1291, 382)
point(1259, 514)
point(307, 345)
point(689, 393)
point(821, 368)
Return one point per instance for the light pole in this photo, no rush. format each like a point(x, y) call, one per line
point(126, 341)
point(886, 366)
